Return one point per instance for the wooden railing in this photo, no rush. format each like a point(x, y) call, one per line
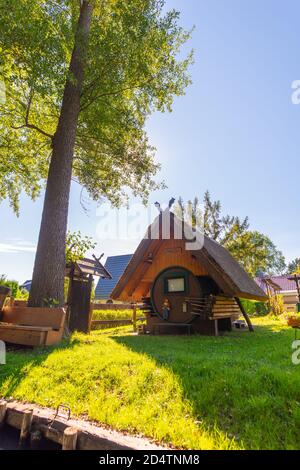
point(213, 306)
point(108, 323)
point(109, 306)
point(200, 306)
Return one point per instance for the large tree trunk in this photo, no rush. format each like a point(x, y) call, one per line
point(49, 266)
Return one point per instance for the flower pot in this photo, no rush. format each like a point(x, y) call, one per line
point(4, 292)
point(294, 322)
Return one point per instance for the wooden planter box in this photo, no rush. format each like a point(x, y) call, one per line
point(294, 321)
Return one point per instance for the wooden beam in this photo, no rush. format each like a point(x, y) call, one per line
point(245, 314)
point(144, 266)
point(134, 318)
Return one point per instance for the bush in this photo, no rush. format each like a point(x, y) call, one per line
point(22, 294)
point(276, 305)
point(112, 314)
point(254, 307)
point(16, 292)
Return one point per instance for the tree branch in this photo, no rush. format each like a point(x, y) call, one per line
point(116, 92)
point(32, 126)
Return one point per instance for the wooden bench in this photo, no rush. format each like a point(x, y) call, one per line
point(32, 326)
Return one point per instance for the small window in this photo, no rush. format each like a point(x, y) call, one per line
point(176, 284)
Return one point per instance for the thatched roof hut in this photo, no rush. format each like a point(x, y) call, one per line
point(198, 277)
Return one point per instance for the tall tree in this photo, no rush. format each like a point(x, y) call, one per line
point(82, 77)
point(294, 266)
point(255, 251)
point(47, 278)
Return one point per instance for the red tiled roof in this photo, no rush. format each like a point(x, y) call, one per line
point(282, 281)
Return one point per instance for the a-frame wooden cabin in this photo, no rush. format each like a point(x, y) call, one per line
point(185, 290)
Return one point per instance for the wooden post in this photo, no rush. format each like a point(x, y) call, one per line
point(89, 295)
point(70, 438)
point(298, 286)
point(26, 426)
point(245, 314)
point(216, 328)
point(3, 406)
point(134, 317)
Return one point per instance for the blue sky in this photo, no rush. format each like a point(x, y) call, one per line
point(236, 132)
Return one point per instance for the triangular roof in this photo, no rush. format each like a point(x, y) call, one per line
point(116, 266)
point(220, 264)
point(86, 266)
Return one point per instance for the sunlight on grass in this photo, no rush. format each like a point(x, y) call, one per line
point(236, 391)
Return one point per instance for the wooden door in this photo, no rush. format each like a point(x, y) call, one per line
point(170, 288)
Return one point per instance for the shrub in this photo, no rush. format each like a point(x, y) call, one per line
point(276, 305)
point(22, 294)
point(16, 292)
point(112, 314)
point(253, 307)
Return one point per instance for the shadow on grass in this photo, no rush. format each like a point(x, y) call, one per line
point(20, 361)
point(236, 383)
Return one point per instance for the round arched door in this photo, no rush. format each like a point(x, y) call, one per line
point(169, 292)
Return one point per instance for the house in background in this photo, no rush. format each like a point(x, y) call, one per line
point(282, 285)
point(26, 285)
point(116, 266)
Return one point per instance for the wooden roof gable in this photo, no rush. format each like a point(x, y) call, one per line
point(87, 267)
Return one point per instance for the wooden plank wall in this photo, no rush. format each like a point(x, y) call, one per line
point(225, 307)
point(170, 253)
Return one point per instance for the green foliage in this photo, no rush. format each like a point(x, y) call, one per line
point(16, 292)
point(113, 314)
point(253, 307)
point(294, 266)
point(236, 391)
point(22, 294)
point(293, 315)
point(133, 69)
point(13, 285)
point(77, 246)
point(254, 250)
point(256, 253)
point(276, 305)
point(66, 288)
point(50, 302)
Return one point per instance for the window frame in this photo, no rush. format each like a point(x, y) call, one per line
point(177, 275)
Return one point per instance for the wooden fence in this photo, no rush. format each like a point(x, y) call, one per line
point(98, 306)
point(101, 324)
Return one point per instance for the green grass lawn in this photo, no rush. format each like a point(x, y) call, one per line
point(236, 391)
